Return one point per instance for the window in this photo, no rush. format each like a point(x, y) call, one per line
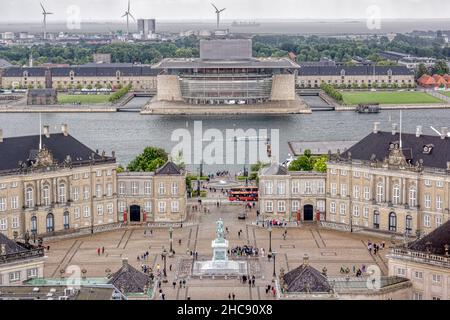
point(392, 221)
point(269, 187)
point(109, 189)
point(76, 176)
point(343, 190)
point(342, 208)
point(408, 224)
point(376, 219)
point(109, 172)
point(401, 272)
point(76, 193)
point(295, 206)
point(427, 182)
point(86, 193)
point(3, 224)
point(32, 273)
point(418, 296)
point(147, 188)
point(366, 212)
point(99, 209)
point(175, 206)
point(2, 204)
point(269, 206)
point(321, 205)
point(436, 278)
point(46, 195)
point(356, 174)
point(380, 192)
point(50, 222)
point(295, 187)
point(174, 188)
point(29, 197)
point(15, 222)
point(2, 186)
point(356, 192)
point(426, 221)
point(14, 276)
point(121, 188)
point(308, 189)
point(396, 194)
point(110, 208)
point(66, 220)
point(98, 173)
point(333, 171)
point(418, 274)
point(366, 193)
point(438, 221)
point(355, 210)
point(321, 187)
point(98, 191)
point(62, 193)
point(440, 184)
point(366, 175)
point(281, 187)
point(148, 207)
point(76, 213)
point(14, 202)
point(122, 207)
point(33, 224)
point(412, 197)
point(438, 203)
point(86, 212)
point(333, 207)
point(281, 206)
point(162, 188)
point(86, 175)
point(14, 184)
point(333, 189)
point(343, 172)
point(427, 201)
point(161, 206)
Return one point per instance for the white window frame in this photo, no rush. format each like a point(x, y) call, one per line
point(269, 206)
point(281, 206)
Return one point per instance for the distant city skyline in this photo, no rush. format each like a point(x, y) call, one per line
point(112, 10)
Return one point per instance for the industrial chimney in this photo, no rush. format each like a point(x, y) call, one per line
point(65, 129)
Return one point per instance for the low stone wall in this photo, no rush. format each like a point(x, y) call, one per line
point(84, 231)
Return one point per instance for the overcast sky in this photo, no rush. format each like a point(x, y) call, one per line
point(29, 10)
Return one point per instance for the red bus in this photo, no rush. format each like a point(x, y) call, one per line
point(243, 194)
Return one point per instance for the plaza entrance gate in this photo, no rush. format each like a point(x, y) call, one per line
point(308, 213)
point(135, 213)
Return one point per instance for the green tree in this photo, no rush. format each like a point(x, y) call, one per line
point(320, 165)
point(421, 70)
point(440, 67)
point(303, 163)
point(149, 160)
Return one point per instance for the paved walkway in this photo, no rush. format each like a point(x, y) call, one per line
point(327, 248)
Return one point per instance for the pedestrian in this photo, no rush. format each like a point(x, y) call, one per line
point(234, 296)
point(181, 284)
point(103, 250)
point(184, 283)
point(98, 251)
point(179, 242)
point(229, 296)
point(174, 283)
point(159, 284)
point(170, 267)
point(163, 296)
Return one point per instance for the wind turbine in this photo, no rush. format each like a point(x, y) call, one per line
point(128, 15)
point(45, 14)
point(218, 12)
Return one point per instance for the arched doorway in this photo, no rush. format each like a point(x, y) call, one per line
point(308, 213)
point(135, 213)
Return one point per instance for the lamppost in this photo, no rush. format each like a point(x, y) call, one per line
point(274, 273)
point(164, 256)
point(171, 241)
point(270, 238)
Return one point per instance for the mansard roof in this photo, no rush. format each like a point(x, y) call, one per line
point(275, 170)
point(378, 144)
point(10, 245)
point(24, 149)
point(129, 280)
point(306, 279)
point(434, 242)
point(169, 168)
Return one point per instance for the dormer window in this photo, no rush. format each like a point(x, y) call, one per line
point(427, 149)
point(25, 74)
point(71, 74)
point(389, 72)
point(342, 73)
point(118, 74)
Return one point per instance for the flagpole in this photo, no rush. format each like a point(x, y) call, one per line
point(40, 131)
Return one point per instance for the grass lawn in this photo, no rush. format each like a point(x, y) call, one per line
point(403, 97)
point(445, 93)
point(84, 99)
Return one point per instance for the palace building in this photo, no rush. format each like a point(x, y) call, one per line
point(53, 184)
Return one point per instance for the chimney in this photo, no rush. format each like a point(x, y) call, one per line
point(47, 131)
point(394, 129)
point(444, 132)
point(65, 129)
point(419, 131)
point(1, 135)
point(125, 263)
point(305, 259)
point(376, 128)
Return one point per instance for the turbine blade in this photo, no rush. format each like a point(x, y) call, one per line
point(128, 5)
point(214, 7)
point(222, 10)
point(42, 7)
point(126, 13)
point(132, 17)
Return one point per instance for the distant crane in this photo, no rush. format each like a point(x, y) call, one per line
point(128, 15)
point(218, 12)
point(45, 14)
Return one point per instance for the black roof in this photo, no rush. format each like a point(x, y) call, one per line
point(321, 70)
point(434, 242)
point(88, 70)
point(169, 168)
point(129, 280)
point(13, 150)
point(10, 245)
point(378, 144)
point(5, 64)
point(306, 279)
point(275, 170)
